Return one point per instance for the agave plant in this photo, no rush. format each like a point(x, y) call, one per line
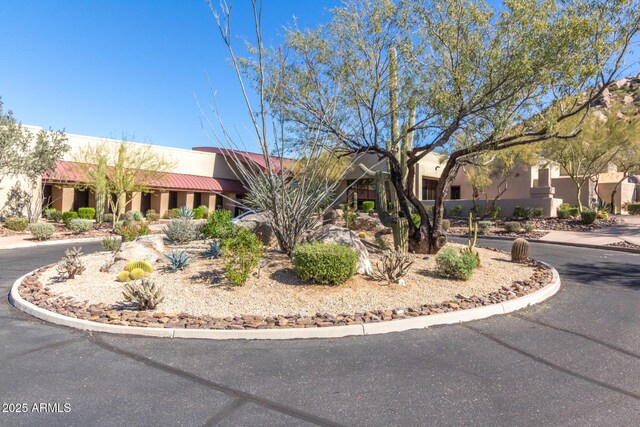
point(185, 213)
point(178, 260)
point(214, 251)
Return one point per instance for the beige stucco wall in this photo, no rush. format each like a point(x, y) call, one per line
point(518, 185)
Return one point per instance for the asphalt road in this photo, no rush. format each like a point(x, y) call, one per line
point(573, 360)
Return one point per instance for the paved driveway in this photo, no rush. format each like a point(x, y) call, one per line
point(573, 360)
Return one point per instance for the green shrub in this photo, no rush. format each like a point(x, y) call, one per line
point(174, 213)
point(349, 217)
point(80, 226)
point(523, 212)
point(633, 208)
point(52, 214)
point(574, 212)
point(219, 225)
point(180, 230)
point(324, 263)
point(107, 218)
point(588, 216)
point(199, 213)
point(528, 227)
point(494, 211)
point(564, 207)
point(111, 244)
point(456, 265)
point(152, 215)
point(368, 206)
point(86, 213)
point(130, 232)
point(538, 212)
point(446, 224)
point(42, 231)
point(416, 220)
point(484, 226)
point(456, 210)
point(68, 216)
point(512, 227)
point(564, 214)
point(241, 255)
point(16, 223)
point(132, 216)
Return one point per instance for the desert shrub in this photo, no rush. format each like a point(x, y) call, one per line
point(446, 224)
point(86, 213)
point(111, 244)
point(455, 265)
point(241, 255)
point(130, 232)
point(494, 211)
point(574, 212)
point(564, 207)
point(564, 214)
point(178, 260)
point(143, 265)
point(484, 226)
point(456, 210)
point(80, 226)
point(107, 217)
point(123, 276)
point(512, 227)
point(538, 212)
point(633, 208)
point(144, 293)
point(380, 242)
point(395, 265)
point(214, 250)
point(137, 215)
point(152, 215)
point(349, 217)
point(603, 215)
point(52, 214)
point(368, 206)
point(174, 213)
point(219, 225)
point(71, 264)
point(199, 212)
point(42, 231)
point(180, 230)
point(523, 212)
point(324, 263)
point(68, 216)
point(588, 216)
point(16, 223)
point(528, 227)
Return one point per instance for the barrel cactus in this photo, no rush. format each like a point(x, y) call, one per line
point(137, 274)
point(520, 250)
point(124, 276)
point(145, 266)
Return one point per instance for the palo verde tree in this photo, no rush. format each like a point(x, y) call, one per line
point(114, 171)
point(463, 66)
point(28, 156)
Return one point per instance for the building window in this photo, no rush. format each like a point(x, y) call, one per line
point(455, 192)
point(173, 199)
point(363, 189)
point(429, 188)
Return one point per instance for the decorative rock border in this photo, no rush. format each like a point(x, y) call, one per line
point(28, 295)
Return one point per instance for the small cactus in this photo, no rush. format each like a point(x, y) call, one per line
point(144, 293)
point(124, 276)
point(137, 274)
point(401, 235)
point(520, 250)
point(143, 265)
point(71, 264)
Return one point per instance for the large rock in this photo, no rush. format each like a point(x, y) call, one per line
point(131, 251)
point(259, 224)
point(152, 241)
point(343, 236)
point(368, 223)
point(330, 217)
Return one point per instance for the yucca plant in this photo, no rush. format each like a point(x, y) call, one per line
point(178, 260)
point(214, 250)
point(144, 293)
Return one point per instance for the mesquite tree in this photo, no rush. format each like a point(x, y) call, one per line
point(465, 67)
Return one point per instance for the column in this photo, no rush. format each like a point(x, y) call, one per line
point(185, 199)
point(135, 202)
point(160, 202)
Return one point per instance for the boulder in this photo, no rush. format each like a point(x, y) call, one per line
point(259, 224)
point(368, 223)
point(343, 236)
point(330, 217)
point(131, 251)
point(152, 241)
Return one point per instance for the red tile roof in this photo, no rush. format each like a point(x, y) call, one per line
point(74, 172)
point(255, 158)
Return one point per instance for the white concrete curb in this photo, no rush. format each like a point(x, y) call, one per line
point(384, 327)
point(51, 243)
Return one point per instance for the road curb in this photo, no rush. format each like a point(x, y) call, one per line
point(420, 322)
point(51, 243)
point(553, 242)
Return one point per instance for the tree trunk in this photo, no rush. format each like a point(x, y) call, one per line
point(613, 196)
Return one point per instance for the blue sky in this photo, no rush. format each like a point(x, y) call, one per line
point(124, 67)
